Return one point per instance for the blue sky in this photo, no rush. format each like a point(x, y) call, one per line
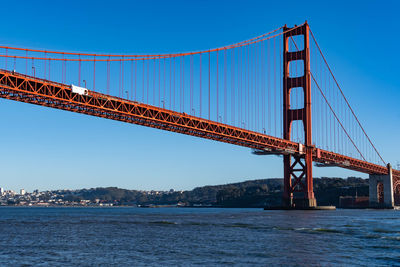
point(50, 149)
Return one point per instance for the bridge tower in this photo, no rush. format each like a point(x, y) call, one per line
point(298, 180)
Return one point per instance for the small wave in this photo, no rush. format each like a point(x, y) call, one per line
point(239, 225)
point(372, 236)
point(391, 237)
point(283, 228)
point(326, 230)
point(381, 247)
point(379, 230)
point(246, 226)
point(317, 230)
point(199, 224)
point(164, 223)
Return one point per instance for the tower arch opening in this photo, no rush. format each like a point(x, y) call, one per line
point(380, 193)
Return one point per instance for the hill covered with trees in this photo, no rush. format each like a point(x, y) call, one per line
point(254, 193)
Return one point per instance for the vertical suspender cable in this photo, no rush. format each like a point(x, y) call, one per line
point(122, 77)
point(281, 86)
point(148, 82)
point(26, 62)
point(225, 88)
point(154, 81)
point(49, 68)
point(209, 84)
point(183, 84)
point(170, 83)
point(275, 109)
point(200, 95)
point(79, 71)
point(217, 91)
point(119, 79)
point(94, 73)
point(132, 91)
point(233, 88)
point(269, 86)
point(164, 85)
point(135, 80)
point(143, 82)
point(45, 61)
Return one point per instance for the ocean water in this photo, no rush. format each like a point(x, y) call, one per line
point(197, 236)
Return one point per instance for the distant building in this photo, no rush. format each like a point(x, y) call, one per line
point(9, 192)
point(22, 192)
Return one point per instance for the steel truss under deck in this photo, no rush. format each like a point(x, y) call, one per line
point(28, 89)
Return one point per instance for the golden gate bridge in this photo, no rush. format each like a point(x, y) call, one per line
point(274, 93)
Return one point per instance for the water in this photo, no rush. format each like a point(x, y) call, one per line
point(205, 237)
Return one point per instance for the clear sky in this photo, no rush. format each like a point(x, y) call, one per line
point(44, 148)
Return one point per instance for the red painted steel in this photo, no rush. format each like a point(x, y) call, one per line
point(28, 89)
point(300, 171)
point(32, 90)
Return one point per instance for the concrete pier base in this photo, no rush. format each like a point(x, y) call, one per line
point(300, 204)
point(387, 181)
point(305, 203)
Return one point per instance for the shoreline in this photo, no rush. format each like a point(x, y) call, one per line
point(195, 207)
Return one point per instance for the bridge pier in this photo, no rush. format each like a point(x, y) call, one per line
point(376, 200)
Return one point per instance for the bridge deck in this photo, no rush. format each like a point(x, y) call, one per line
point(32, 90)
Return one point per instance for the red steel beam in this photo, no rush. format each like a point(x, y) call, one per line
point(23, 88)
point(32, 90)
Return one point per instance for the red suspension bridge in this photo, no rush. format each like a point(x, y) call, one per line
point(274, 93)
